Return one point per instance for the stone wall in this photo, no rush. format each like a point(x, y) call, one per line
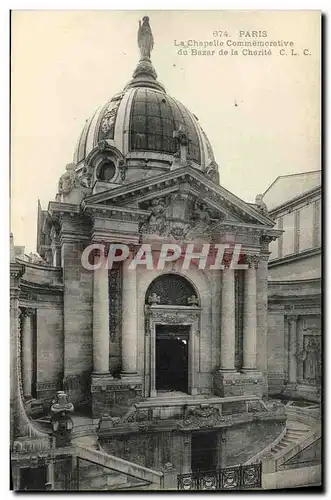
point(277, 352)
point(49, 349)
point(308, 268)
point(77, 311)
point(154, 449)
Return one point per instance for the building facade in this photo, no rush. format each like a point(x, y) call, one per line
point(175, 360)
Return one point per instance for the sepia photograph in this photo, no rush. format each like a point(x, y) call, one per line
point(165, 251)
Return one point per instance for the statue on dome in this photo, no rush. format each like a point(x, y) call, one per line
point(182, 142)
point(67, 180)
point(145, 38)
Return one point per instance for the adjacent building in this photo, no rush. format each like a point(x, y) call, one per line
point(294, 287)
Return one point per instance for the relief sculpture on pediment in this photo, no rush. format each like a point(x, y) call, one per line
point(178, 216)
point(156, 222)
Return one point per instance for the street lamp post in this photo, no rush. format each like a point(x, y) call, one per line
point(62, 423)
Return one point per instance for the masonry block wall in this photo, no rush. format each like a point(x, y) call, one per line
point(77, 296)
point(49, 350)
point(276, 352)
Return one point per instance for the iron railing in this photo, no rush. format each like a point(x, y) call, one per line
point(240, 477)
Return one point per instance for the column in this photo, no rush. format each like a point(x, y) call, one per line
point(249, 333)
point(27, 352)
point(292, 360)
point(50, 474)
point(262, 313)
point(100, 318)
point(227, 319)
point(153, 392)
point(129, 320)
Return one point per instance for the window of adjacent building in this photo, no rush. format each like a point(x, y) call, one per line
point(288, 239)
point(306, 237)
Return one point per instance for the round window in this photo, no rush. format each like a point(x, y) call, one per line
point(107, 171)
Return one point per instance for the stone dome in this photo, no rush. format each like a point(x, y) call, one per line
point(139, 126)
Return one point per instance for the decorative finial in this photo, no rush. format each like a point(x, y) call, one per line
point(145, 38)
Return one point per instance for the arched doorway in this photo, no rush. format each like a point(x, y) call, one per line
point(172, 311)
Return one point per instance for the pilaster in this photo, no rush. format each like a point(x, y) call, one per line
point(27, 351)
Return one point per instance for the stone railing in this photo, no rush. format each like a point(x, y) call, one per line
point(310, 415)
point(180, 408)
point(201, 418)
point(84, 430)
point(153, 480)
point(310, 438)
point(32, 444)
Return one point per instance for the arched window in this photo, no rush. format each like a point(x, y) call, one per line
point(172, 289)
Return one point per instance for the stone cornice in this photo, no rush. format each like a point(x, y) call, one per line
point(296, 256)
point(17, 269)
point(59, 208)
point(181, 174)
point(295, 201)
point(308, 301)
point(42, 267)
point(233, 226)
point(115, 212)
point(28, 287)
point(301, 283)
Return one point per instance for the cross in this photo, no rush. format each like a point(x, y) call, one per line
point(182, 139)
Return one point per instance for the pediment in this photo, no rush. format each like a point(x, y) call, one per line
point(182, 195)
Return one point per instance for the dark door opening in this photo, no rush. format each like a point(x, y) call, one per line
point(171, 369)
point(33, 478)
point(203, 451)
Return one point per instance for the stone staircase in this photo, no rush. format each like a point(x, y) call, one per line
point(293, 434)
point(100, 471)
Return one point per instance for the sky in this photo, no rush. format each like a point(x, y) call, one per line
point(261, 113)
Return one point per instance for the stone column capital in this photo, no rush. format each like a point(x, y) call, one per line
point(227, 260)
point(267, 238)
point(292, 318)
point(252, 261)
point(133, 249)
point(27, 312)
